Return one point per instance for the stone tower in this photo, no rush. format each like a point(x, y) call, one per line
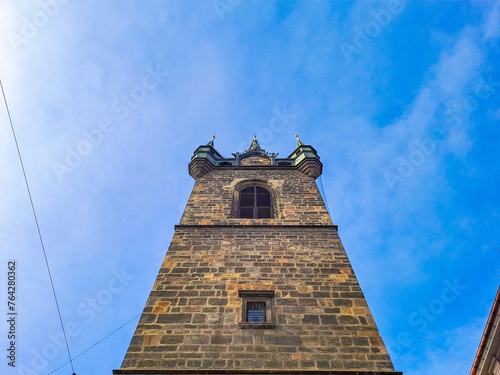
point(256, 280)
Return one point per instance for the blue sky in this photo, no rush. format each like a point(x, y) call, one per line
point(109, 100)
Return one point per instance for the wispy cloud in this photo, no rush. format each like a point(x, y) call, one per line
point(117, 208)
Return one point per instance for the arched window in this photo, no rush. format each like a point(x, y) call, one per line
point(255, 203)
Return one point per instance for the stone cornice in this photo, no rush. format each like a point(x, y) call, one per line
point(334, 227)
point(250, 372)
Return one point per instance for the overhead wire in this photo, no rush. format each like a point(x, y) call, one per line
point(97, 342)
point(323, 194)
point(495, 245)
point(38, 229)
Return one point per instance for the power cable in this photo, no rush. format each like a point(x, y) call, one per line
point(495, 245)
point(324, 195)
point(96, 343)
point(38, 228)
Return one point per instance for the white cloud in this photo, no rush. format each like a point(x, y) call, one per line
point(448, 353)
point(118, 207)
point(492, 23)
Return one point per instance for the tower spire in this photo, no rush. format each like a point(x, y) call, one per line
point(211, 143)
point(299, 142)
point(254, 145)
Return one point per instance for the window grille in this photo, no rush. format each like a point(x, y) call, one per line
point(256, 312)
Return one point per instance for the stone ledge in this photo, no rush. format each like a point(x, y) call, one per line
point(250, 372)
point(335, 227)
point(246, 325)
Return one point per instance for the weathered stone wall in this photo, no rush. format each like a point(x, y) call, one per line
point(191, 317)
point(297, 200)
point(322, 320)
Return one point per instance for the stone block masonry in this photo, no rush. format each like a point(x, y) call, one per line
point(192, 320)
point(296, 198)
point(322, 319)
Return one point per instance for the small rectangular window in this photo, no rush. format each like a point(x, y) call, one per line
point(257, 309)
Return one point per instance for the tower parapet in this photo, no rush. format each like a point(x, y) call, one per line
point(206, 158)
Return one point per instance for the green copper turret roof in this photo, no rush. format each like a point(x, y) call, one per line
point(206, 158)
